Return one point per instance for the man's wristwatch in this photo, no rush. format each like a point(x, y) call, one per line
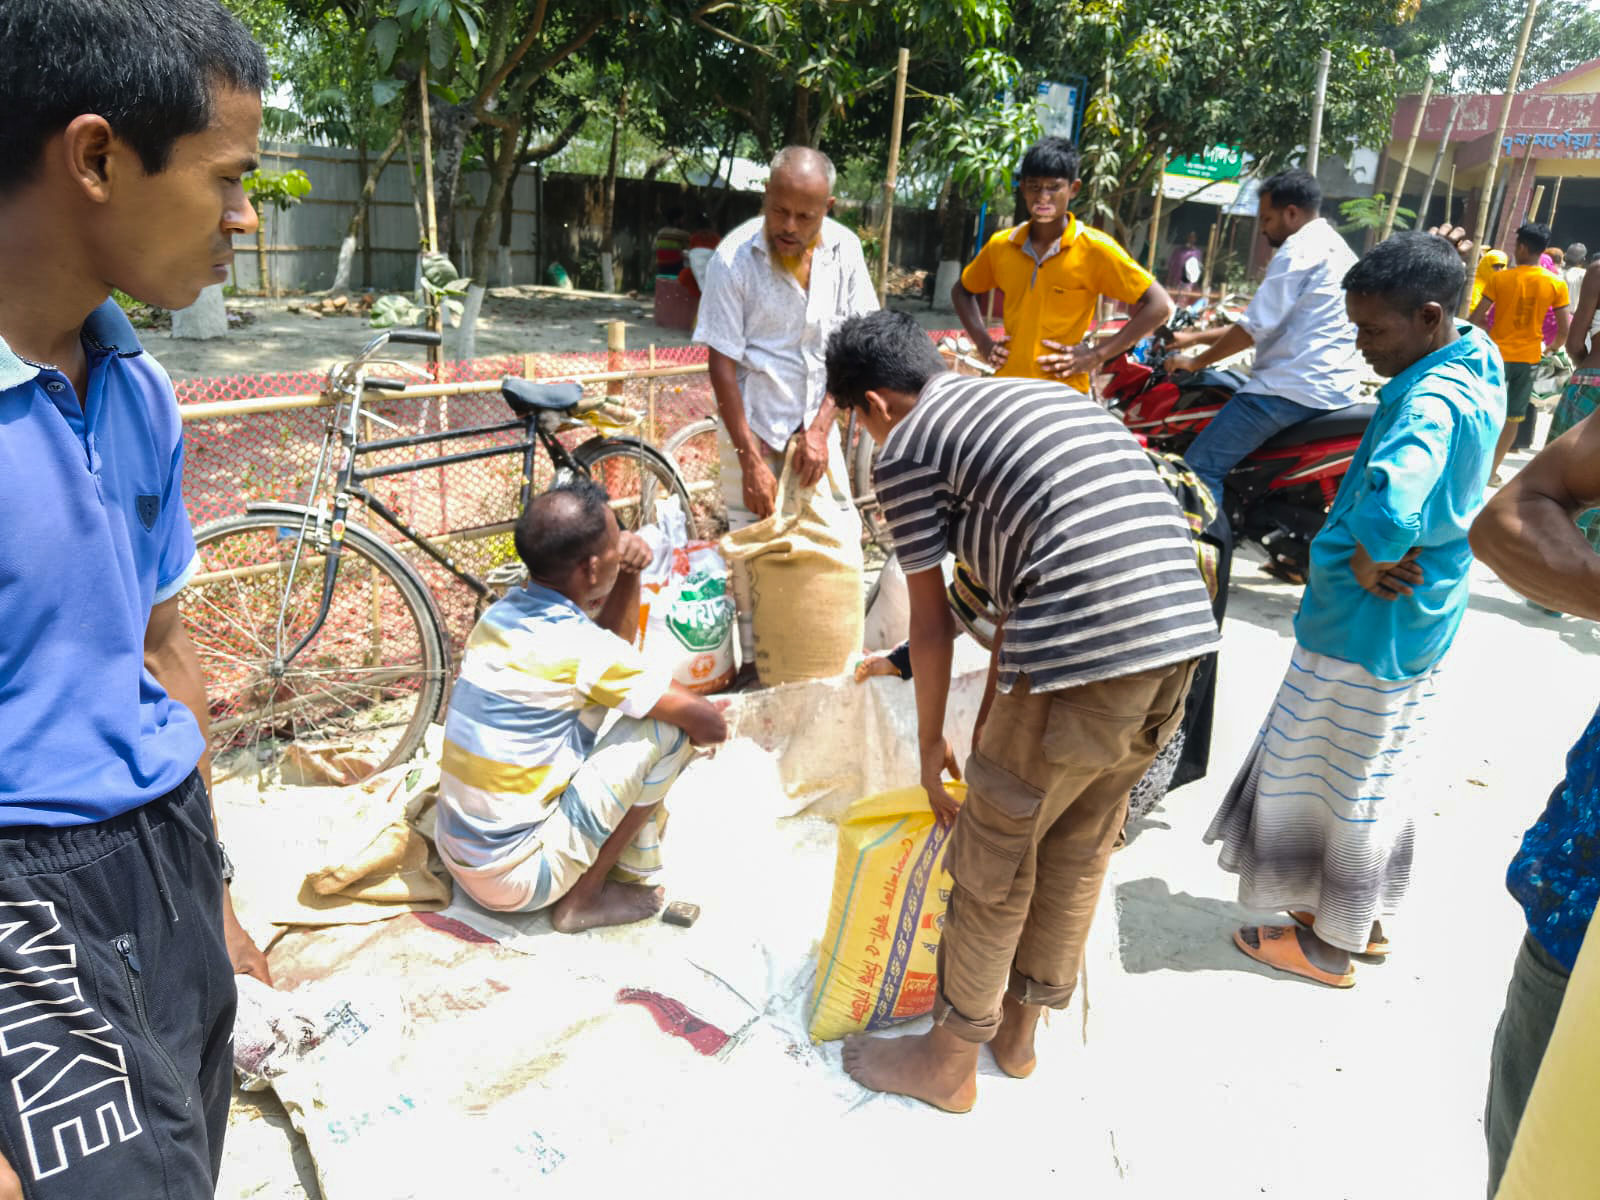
point(227, 863)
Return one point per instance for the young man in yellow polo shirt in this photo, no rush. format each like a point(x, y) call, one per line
point(1521, 296)
point(1052, 271)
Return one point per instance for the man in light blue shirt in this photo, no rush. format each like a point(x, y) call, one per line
point(1318, 821)
point(1306, 360)
point(1411, 494)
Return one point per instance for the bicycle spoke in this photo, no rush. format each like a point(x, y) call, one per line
point(229, 619)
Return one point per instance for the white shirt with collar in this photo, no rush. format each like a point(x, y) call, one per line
point(756, 313)
point(1305, 342)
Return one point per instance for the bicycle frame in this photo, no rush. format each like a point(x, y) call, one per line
point(537, 430)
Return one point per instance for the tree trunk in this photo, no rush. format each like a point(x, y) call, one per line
point(203, 320)
point(800, 132)
point(347, 247)
point(451, 124)
point(608, 217)
point(714, 199)
point(416, 208)
point(508, 149)
point(505, 271)
point(644, 260)
point(358, 219)
point(954, 218)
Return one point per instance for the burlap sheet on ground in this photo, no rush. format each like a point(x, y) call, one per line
point(470, 1053)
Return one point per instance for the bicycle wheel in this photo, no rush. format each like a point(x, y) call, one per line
point(860, 451)
point(699, 458)
point(359, 697)
point(635, 474)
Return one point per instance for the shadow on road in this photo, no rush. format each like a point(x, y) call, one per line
point(1575, 631)
point(1267, 604)
point(1162, 930)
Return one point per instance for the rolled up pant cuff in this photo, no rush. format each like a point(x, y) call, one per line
point(965, 1028)
point(1030, 991)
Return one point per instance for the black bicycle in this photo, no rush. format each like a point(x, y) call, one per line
point(313, 629)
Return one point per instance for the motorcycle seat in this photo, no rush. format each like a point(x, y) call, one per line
point(1339, 423)
point(1215, 377)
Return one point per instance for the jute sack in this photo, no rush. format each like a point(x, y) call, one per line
point(805, 580)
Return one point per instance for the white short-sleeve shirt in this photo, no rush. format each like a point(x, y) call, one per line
point(1305, 343)
point(757, 314)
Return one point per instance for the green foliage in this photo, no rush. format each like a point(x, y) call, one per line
point(708, 81)
point(1176, 79)
point(443, 287)
point(979, 133)
point(1370, 212)
point(1474, 40)
point(281, 190)
point(437, 29)
point(139, 314)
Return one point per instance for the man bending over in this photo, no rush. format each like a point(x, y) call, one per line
point(1087, 555)
point(537, 809)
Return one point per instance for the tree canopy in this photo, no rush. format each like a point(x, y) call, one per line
point(679, 82)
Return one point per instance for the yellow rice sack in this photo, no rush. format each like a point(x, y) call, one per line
point(890, 889)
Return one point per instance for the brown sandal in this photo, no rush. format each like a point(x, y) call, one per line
point(1279, 947)
point(1378, 949)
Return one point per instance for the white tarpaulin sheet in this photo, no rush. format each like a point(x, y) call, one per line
point(477, 1054)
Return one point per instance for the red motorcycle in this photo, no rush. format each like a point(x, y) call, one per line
point(1279, 495)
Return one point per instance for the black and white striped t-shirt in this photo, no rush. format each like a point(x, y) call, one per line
point(1057, 509)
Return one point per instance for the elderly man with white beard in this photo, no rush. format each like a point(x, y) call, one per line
point(778, 285)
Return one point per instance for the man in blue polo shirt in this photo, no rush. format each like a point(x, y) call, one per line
point(128, 126)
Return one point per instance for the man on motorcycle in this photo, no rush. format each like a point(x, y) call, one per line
point(1306, 360)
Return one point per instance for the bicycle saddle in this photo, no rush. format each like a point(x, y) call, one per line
point(527, 398)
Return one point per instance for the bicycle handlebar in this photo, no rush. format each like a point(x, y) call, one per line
point(415, 337)
point(377, 383)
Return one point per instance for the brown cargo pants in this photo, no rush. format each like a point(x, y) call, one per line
point(1047, 792)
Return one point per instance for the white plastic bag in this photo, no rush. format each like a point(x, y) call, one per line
point(686, 614)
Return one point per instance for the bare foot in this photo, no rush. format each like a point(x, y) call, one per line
point(935, 1067)
point(612, 903)
point(1013, 1041)
point(874, 664)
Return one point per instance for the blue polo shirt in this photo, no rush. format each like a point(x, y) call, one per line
point(93, 534)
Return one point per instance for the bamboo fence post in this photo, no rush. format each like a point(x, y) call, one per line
point(893, 172)
point(1405, 162)
point(1495, 145)
point(650, 396)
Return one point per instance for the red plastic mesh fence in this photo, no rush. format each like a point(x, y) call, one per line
point(233, 460)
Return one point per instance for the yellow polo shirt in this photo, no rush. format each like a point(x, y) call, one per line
point(1053, 297)
point(1521, 297)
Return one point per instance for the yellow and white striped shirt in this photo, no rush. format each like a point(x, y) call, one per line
point(537, 681)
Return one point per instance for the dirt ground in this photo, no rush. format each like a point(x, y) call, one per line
point(515, 320)
point(1182, 1068)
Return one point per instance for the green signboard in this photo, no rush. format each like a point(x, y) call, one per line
point(1219, 162)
